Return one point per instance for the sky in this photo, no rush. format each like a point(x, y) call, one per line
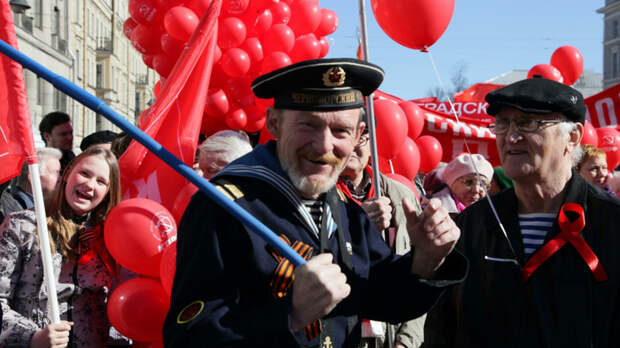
point(485, 37)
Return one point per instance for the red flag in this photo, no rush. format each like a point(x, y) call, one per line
point(174, 120)
point(16, 140)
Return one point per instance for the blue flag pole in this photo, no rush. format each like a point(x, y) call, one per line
point(98, 106)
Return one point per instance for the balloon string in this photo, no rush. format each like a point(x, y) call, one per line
point(456, 116)
point(391, 166)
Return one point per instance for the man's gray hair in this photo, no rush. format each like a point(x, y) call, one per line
point(567, 127)
point(230, 144)
point(44, 154)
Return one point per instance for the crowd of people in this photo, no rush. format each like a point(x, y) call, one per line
point(383, 268)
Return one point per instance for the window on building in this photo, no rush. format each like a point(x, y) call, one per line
point(78, 66)
point(99, 76)
point(39, 91)
point(55, 24)
point(614, 64)
point(59, 102)
point(38, 13)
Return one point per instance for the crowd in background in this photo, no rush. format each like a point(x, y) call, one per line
point(80, 190)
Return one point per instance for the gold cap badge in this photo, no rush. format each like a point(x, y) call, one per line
point(334, 77)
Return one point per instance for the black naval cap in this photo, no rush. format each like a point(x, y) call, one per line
point(320, 84)
point(538, 96)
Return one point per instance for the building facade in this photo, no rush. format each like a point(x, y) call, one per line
point(611, 42)
point(83, 41)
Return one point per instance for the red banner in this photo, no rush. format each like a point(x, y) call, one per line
point(16, 139)
point(604, 107)
point(174, 120)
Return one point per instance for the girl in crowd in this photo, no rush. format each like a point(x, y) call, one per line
point(593, 166)
point(463, 187)
point(90, 188)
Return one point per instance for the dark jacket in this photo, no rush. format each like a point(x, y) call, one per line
point(560, 306)
point(226, 270)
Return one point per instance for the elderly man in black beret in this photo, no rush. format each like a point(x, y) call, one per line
point(231, 289)
point(550, 276)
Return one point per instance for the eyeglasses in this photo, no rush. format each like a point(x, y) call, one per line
point(363, 140)
point(471, 183)
point(525, 125)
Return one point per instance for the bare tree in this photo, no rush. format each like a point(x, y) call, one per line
point(458, 80)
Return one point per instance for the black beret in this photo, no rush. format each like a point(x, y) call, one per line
point(320, 84)
point(538, 96)
point(100, 137)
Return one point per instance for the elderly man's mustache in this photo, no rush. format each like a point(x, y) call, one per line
point(327, 159)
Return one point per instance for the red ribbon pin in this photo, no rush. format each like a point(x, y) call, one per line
point(569, 233)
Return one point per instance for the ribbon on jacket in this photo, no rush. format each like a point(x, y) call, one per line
point(283, 277)
point(371, 192)
point(91, 244)
point(569, 233)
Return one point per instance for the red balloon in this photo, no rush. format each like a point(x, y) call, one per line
point(152, 229)
point(305, 16)
point(170, 45)
point(306, 47)
point(148, 60)
point(145, 40)
point(324, 47)
point(589, 135)
point(212, 125)
point(217, 103)
point(235, 7)
point(415, 118)
point(254, 49)
point(182, 200)
point(232, 32)
point(163, 64)
point(278, 38)
point(431, 148)
point(407, 162)
point(275, 60)
point(403, 180)
point(168, 267)
point(166, 4)
point(609, 141)
point(128, 26)
point(415, 24)
point(281, 12)
point(239, 91)
point(256, 119)
point(237, 119)
point(180, 22)
point(547, 71)
point(258, 23)
point(137, 309)
point(198, 6)
point(144, 11)
point(235, 62)
point(328, 24)
point(391, 128)
point(569, 61)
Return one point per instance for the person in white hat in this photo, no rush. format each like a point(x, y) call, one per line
point(463, 186)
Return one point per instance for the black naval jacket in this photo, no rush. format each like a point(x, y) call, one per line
point(561, 305)
point(222, 295)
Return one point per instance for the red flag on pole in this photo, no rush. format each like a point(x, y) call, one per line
point(16, 140)
point(174, 120)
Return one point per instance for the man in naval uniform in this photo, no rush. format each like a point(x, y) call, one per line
point(231, 289)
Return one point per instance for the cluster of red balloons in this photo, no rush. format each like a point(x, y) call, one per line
point(565, 67)
point(399, 144)
point(254, 37)
point(609, 141)
point(137, 308)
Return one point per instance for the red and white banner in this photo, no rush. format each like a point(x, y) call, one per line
point(174, 120)
point(604, 107)
point(16, 139)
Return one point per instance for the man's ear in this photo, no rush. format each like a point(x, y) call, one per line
point(575, 135)
point(273, 122)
